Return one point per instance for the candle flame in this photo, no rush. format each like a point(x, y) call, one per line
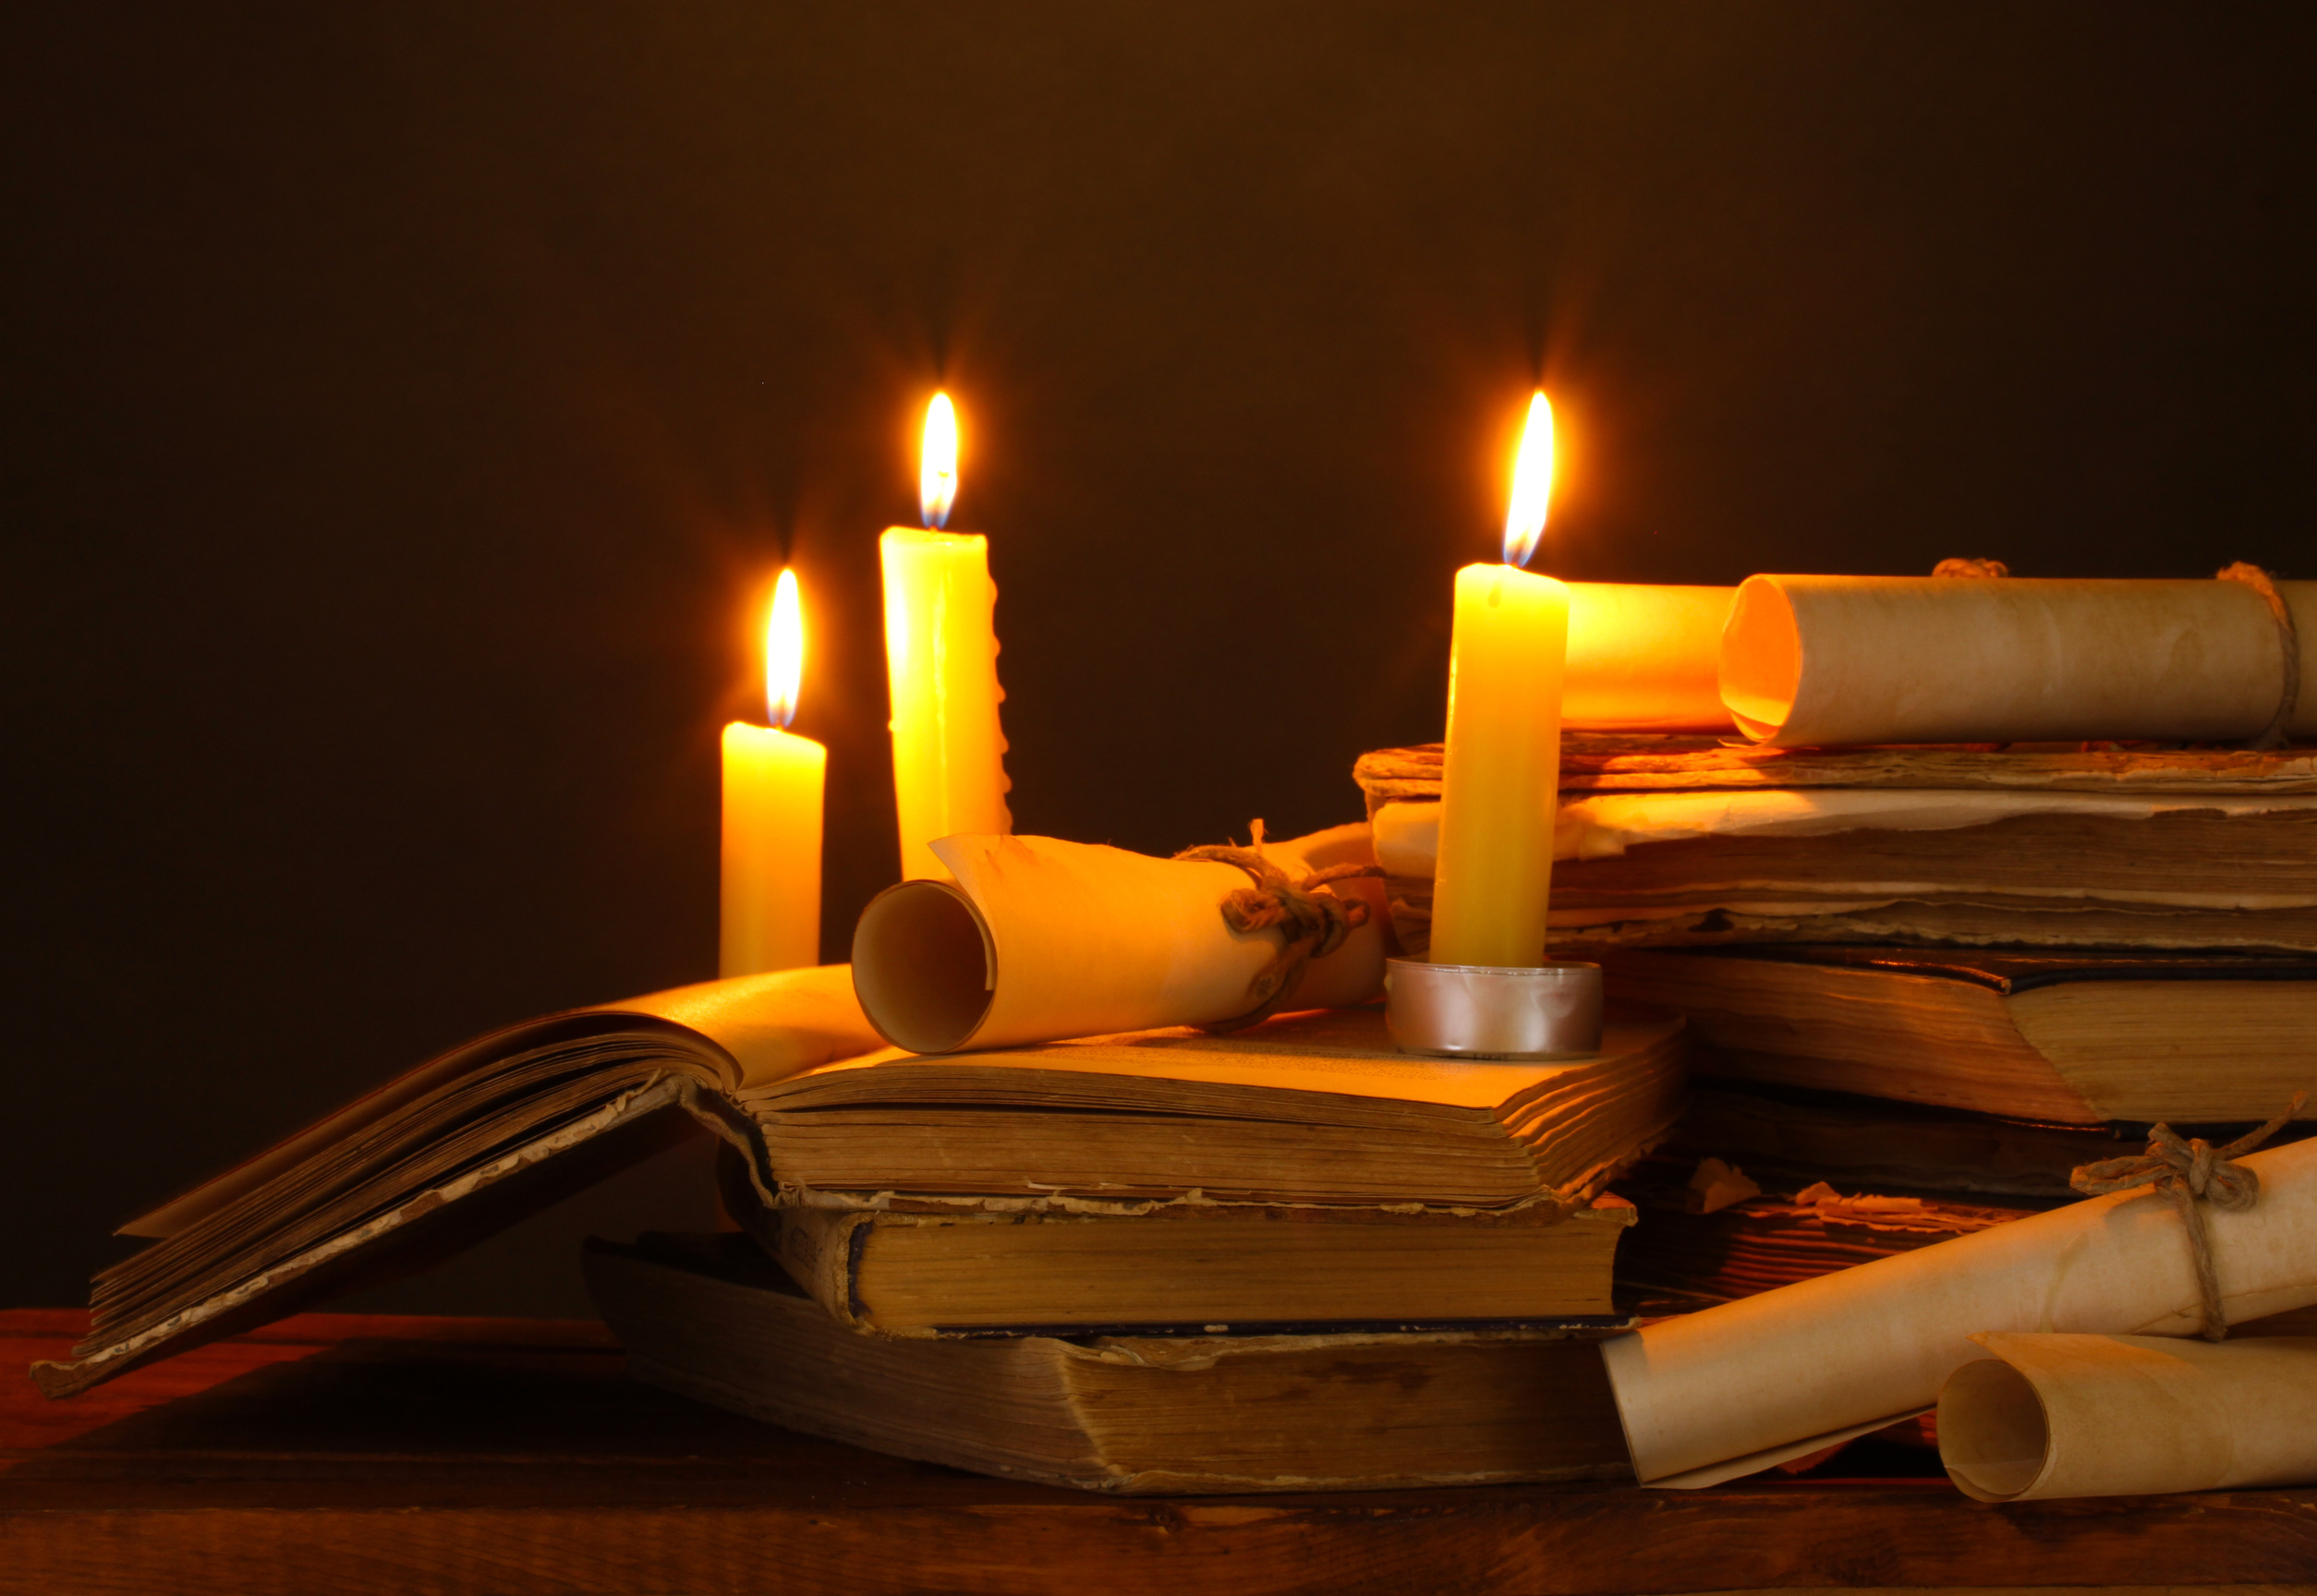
point(1531, 484)
point(936, 465)
point(784, 650)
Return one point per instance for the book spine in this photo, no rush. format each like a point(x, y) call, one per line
point(822, 1252)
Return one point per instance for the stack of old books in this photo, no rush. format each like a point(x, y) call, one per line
point(1284, 1258)
point(1926, 984)
point(1669, 840)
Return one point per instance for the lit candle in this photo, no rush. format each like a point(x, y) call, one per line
point(773, 797)
point(1501, 775)
point(941, 665)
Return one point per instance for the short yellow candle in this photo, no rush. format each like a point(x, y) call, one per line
point(941, 666)
point(772, 801)
point(1501, 778)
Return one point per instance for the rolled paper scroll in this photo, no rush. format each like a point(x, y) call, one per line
point(1038, 940)
point(1644, 659)
point(2128, 1416)
point(1735, 1388)
point(1809, 661)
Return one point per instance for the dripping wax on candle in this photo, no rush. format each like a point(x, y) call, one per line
point(941, 666)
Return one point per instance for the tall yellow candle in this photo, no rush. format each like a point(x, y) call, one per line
point(774, 781)
point(941, 667)
point(1501, 775)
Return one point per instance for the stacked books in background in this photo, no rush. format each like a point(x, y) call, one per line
point(1924, 984)
point(1672, 840)
point(1878, 1098)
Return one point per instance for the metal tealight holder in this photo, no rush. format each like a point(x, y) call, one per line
point(1488, 1013)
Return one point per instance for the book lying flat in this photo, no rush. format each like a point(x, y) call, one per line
point(713, 1319)
point(1643, 762)
point(1791, 1138)
point(1301, 1109)
point(2079, 1038)
point(1316, 1107)
point(1770, 1239)
point(1203, 1269)
point(1690, 1261)
point(2184, 849)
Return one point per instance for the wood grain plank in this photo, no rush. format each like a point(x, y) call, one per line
point(365, 1455)
point(1515, 1543)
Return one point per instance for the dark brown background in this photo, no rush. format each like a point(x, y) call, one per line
point(408, 403)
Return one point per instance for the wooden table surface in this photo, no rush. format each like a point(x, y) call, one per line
point(347, 1455)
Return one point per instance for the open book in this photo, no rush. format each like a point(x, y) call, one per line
point(450, 1152)
point(1313, 1108)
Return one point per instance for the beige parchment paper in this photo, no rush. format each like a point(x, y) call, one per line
point(1810, 661)
point(1604, 824)
point(774, 1025)
point(1039, 940)
point(2061, 1415)
point(1644, 659)
point(1788, 1369)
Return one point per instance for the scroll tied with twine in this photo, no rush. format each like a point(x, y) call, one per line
point(2191, 1170)
point(1732, 1389)
point(1034, 939)
point(1313, 921)
point(1971, 569)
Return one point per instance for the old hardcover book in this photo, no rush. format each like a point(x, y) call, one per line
point(1674, 841)
point(711, 1318)
point(1771, 1238)
point(1317, 1107)
point(2079, 1038)
point(1643, 762)
point(1312, 1108)
point(1679, 1259)
point(1790, 1138)
point(1761, 1186)
point(1199, 1269)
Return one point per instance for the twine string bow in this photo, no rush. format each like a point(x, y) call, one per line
point(2189, 1169)
point(1313, 920)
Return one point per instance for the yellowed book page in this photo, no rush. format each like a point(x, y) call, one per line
point(1919, 1039)
point(1606, 762)
point(2201, 1051)
point(773, 1026)
point(2059, 1415)
point(1039, 940)
point(1646, 658)
point(1880, 1340)
point(1818, 660)
point(1344, 1055)
point(1604, 824)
